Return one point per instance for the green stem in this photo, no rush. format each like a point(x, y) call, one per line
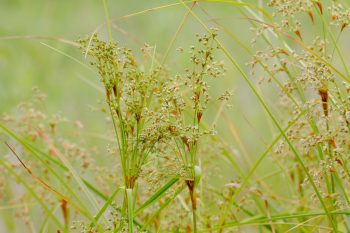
point(194, 215)
point(108, 23)
point(130, 210)
point(276, 123)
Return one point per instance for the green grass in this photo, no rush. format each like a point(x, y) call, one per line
point(233, 117)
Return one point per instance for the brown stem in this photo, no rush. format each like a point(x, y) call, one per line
point(190, 184)
point(130, 181)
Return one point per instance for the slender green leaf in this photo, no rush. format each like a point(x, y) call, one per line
point(156, 196)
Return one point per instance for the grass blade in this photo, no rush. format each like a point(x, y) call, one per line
point(33, 193)
point(105, 206)
point(156, 196)
point(274, 120)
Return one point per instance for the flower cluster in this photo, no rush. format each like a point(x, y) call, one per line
point(340, 15)
point(315, 102)
point(137, 101)
point(290, 9)
point(157, 118)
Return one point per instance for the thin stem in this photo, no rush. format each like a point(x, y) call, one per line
point(194, 216)
point(274, 120)
point(192, 192)
point(108, 23)
point(130, 210)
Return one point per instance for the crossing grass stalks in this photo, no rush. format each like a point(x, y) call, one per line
point(168, 166)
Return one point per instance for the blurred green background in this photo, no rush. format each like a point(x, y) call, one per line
point(38, 62)
point(27, 63)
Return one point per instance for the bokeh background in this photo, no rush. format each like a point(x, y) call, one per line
point(26, 63)
point(33, 54)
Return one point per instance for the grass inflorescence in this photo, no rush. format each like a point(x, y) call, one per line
point(174, 156)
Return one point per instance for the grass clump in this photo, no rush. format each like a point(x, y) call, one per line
point(151, 113)
point(167, 169)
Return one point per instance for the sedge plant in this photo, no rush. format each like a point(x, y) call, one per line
point(160, 126)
